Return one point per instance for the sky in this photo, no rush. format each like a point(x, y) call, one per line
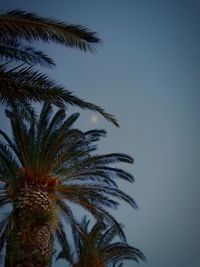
point(146, 72)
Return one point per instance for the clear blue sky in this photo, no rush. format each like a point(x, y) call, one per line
point(146, 72)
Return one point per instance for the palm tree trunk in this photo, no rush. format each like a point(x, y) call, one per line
point(31, 240)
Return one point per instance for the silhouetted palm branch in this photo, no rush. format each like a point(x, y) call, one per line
point(11, 49)
point(23, 85)
point(22, 25)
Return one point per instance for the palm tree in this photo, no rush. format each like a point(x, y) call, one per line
point(22, 84)
point(44, 166)
point(97, 247)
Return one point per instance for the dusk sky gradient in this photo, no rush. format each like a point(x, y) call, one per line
point(146, 72)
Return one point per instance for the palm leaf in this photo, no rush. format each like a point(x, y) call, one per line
point(6, 227)
point(23, 108)
point(95, 135)
point(8, 161)
point(11, 49)
point(109, 234)
point(29, 26)
point(120, 251)
point(62, 239)
point(26, 84)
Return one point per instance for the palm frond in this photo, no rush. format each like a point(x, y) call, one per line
point(56, 122)
point(85, 223)
point(87, 176)
point(28, 26)
point(8, 161)
point(5, 230)
point(43, 120)
point(96, 232)
point(94, 192)
point(4, 200)
point(23, 108)
point(109, 234)
point(114, 172)
point(26, 84)
point(11, 49)
point(20, 132)
point(69, 219)
point(91, 163)
point(101, 160)
point(9, 142)
point(95, 135)
point(99, 213)
point(64, 243)
point(120, 251)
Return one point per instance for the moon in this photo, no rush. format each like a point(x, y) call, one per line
point(94, 119)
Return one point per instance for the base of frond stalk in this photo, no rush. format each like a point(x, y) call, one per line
point(30, 243)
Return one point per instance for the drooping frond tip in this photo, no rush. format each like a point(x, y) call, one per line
point(27, 84)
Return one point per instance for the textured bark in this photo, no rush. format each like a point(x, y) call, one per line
point(30, 243)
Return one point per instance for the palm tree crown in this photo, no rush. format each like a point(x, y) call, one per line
point(49, 161)
point(98, 247)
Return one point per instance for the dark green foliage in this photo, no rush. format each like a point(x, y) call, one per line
point(29, 26)
point(11, 49)
point(98, 245)
point(48, 154)
point(22, 85)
